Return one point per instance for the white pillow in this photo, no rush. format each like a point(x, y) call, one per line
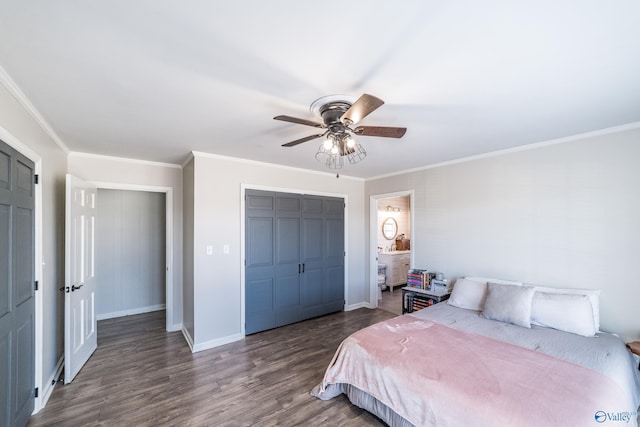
point(508, 303)
point(593, 294)
point(566, 312)
point(468, 294)
point(487, 280)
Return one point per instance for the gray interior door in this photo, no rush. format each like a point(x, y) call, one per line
point(17, 302)
point(294, 258)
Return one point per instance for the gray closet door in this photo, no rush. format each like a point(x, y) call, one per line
point(17, 302)
point(260, 273)
point(288, 266)
point(293, 268)
point(312, 257)
point(333, 277)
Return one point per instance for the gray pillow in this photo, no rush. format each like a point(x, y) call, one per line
point(509, 303)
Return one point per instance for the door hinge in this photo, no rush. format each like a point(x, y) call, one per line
point(36, 392)
point(35, 178)
point(36, 285)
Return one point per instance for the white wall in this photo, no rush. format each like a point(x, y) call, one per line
point(218, 215)
point(116, 171)
point(19, 128)
point(563, 215)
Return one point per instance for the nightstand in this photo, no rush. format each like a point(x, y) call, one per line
point(414, 299)
point(634, 347)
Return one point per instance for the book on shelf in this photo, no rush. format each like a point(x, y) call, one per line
point(418, 278)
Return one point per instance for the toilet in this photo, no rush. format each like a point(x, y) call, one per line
point(382, 279)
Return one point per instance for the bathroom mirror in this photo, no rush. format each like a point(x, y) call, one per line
point(389, 228)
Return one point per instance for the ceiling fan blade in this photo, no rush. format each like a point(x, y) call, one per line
point(387, 132)
point(364, 106)
point(301, 140)
point(298, 121)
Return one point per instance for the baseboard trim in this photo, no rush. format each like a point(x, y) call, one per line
point(216, 343)
point(187, 337)
point(131, 312)
point(357, 306)
point(49, 385)
point(175, 327)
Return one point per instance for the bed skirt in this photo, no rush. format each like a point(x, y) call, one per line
point(364, 401)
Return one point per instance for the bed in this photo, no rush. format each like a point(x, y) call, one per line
point(490, 356)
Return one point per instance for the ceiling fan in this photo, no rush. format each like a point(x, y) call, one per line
point(339, 113)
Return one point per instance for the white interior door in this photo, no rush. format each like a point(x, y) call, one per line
point(80, 324)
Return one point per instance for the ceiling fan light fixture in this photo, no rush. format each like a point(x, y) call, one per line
point(335, 161)
point(328, 142)
point(357, 154)
point(349, 141)
point(338, 114)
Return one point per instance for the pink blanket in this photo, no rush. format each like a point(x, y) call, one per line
point(432, 374)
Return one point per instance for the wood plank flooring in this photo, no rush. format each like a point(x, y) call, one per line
point(391, 301)
point(140, 375)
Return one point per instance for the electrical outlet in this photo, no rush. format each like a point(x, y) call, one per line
point(209, 250)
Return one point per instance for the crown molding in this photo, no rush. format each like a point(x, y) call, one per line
point(533, 146)
point(123, 159)
point(22, 99)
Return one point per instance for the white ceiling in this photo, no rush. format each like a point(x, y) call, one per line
point(155, 80)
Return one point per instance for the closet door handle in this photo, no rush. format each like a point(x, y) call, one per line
point(303, 267)
point(299, 268)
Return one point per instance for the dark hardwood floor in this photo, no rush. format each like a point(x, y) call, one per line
point(140, 375)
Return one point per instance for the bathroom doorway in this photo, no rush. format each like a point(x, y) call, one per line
point(391, 248)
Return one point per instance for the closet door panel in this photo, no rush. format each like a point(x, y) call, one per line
point(260, 262)
point(287, 299)
point(260, 307)
point(288, 266)
point(333, 285)
point(312, 261)
point(288, 241)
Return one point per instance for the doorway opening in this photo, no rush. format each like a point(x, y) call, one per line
point(165, 193)
point(131, 252)
point(391, 248)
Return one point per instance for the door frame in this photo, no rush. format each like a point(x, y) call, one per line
point(243, 188)
point(169, 267)
point(373, 243)
point(17, 145)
